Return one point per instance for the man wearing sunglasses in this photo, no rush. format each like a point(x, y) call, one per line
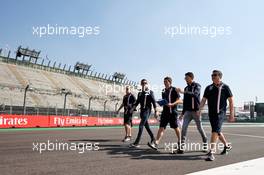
point(216, 96)
point(146, 100)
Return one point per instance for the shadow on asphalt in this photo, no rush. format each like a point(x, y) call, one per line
point(122, 150)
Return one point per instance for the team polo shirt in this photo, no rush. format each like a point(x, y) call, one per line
point(128, 101)
point(217, 98)
point(171, 95)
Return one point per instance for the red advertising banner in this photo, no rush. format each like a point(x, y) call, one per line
point(65, 121)
point(23, 121)
point(89, 121)
point(31, 121)
point(109, 121)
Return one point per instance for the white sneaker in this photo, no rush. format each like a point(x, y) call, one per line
point(127, 139)
point(210, 157)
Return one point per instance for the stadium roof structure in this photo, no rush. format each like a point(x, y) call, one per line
point(51, 81)
point(79, 69)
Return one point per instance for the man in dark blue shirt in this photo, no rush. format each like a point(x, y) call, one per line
point(191, 104)
point(128, 101)
point(169, 113)
point(146, 100)
point(216, 96)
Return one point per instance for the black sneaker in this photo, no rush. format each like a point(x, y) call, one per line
point(133, 145)
point(226, 150)
point(210, 157)
point(178, 151)
point(153, 145)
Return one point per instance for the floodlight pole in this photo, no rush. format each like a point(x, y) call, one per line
point(105, 105)
point(24, 103)
point(89, 105)
point(116, 106)
point(65, 99)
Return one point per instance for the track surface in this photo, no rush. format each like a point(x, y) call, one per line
point(114, 157)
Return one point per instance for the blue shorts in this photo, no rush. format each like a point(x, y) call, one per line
point(216, 121)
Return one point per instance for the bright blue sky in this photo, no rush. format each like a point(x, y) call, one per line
point(132, 38)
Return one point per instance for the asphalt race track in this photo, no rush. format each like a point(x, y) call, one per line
point(19, 156)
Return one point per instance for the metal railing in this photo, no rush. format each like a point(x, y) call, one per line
point(7, 109)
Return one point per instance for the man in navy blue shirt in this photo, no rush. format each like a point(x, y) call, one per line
point(216, 96)
point(146, 100)
point(169, 113)
point(191, 104)
point(128, 101)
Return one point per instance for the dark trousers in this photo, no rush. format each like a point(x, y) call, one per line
point(144, 115)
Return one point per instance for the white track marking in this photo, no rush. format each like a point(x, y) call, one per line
point(233, 125)
point(254, 166)
point(244, 135)
point(236, 134)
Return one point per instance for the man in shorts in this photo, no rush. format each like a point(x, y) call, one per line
point(169, 113)
point(128, 101)
point(216, 96)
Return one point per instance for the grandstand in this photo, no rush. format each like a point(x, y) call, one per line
point(87, 93)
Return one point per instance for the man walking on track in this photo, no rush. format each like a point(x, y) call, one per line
point(146, 100)
point(191, 104)
point(216, 96)
point(128, 101)
point(169, 113)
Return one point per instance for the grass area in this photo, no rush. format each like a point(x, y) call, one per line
point(62, 128)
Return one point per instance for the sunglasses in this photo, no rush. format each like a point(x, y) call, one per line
point(144, 82)
point(214, 75)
